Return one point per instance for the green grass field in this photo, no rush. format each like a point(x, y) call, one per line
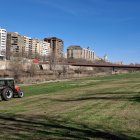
point(91, 108)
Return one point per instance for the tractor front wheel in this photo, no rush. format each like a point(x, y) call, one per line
point(20, 94)
point(7, 94)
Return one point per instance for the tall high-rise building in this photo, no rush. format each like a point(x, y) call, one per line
point(28, 46)
point(34, 46)
point(56, 46)
point(45, 49)
point(15, 44)
point(3, 38)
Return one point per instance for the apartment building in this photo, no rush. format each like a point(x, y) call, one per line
point(35, 46)
point(27, 46)
point(18, 45)
point(87, 54)
point(45, 49)
point(15, 44)
point(76, 52)
point(3, 38)
point(56, 46)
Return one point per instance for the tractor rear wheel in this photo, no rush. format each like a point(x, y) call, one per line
point(7, 94)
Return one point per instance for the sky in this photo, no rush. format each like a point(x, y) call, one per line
point(109, 27)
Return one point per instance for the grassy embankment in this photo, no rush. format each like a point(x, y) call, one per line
point(93, 108)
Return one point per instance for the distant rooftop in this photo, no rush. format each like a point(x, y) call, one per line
point(75, 47)
point(52, 38)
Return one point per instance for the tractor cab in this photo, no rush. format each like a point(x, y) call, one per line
point(8, 89)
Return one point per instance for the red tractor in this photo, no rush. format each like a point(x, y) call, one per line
point(8, 89)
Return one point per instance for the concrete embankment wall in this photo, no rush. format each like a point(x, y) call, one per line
point(60, 67)
point(28, 75)
point(44, 74)
point(6, 65)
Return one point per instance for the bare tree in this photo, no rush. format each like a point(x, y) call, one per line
point(52, 61)
point(32, 69)
point(16, 67)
